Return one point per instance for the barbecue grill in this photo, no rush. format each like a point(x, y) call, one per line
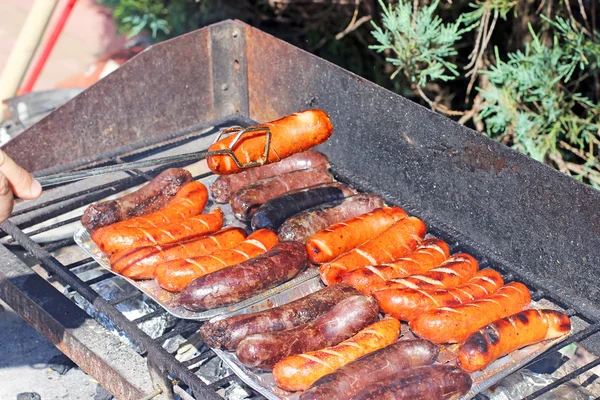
point(529, 222)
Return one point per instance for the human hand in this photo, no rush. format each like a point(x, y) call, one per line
point(14, 180)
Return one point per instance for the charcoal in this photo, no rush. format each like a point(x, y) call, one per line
point(29, 396)
point(61, 364)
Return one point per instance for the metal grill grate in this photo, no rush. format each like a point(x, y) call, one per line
point(185, 374)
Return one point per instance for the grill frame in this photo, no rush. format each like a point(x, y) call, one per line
point(248, 76)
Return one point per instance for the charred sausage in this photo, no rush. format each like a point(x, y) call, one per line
point(397, 241)
point(226, 185)
point(301, 226)
point(407, 304)
point(508, 334)
point(140, 263)
point(343, 321)
point(125, 237)
point(289, 135)
point(244, 280)
point(455, 324)
point(228, 332)
point(151, 197)
point(329, 243)
point(299, 372)
point(176, 275)
point(245, 202)
point(455, 271)
point(347, 381)
point(430, 254)
point(439, 382)
point(274, 212)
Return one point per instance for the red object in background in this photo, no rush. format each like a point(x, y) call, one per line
point(47, 49)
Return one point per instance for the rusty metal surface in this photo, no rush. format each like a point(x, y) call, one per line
point(159, 93)
point(100, 354)
point(505, 208)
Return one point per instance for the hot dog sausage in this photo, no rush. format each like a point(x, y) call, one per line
point(301, 226)
point(430, 254)
point(329, 243)
point(289, 135)
point(397, 241)
point(343, 321)
point(275, 211)
point(455, 271)
point(439, 382)
point(508, 334)
point(407, 304)
point(140, 263)
point(151, 197)
point(226, 185)
point(244, 280)
point(299, 372)
point(455, 324)
point(125, 237)
point(228, 332)
point(175, 275)
point(245, 202)
point(347, 381)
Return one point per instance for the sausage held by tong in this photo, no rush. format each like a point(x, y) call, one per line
point(225, 186)
point(511, 333)
point(289, 135)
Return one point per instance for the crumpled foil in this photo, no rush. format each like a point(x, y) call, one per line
point(114, 288)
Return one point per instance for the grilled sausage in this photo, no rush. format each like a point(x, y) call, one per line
point(299, 372)
point(245, 202)
point(407, 304)
point(175, 275)
point(125, 237)
point(508, 334)
point(430, 254)
point(244, 280)
point(228, 332)
point(347, 381)
point(329, 243)
point(151, 197)
point(397, 241)
point(289, 135)
point(439, 382)
point(226, 185)
point(455, 324)
point(274, 212)
point(455, 271)
point(301, 226)
point(341, 322)
point(140, 263)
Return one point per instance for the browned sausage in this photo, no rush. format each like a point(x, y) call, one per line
point(347, 381)
point(289, 135)
point(439, 382)
point(244, 280)
point(226, 185)
point(246, 201)
point(343, 321)
point(509, 334)
point(228, 332)
point(151, 197)
point(301, 226)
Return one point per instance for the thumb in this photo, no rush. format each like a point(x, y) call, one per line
point(20, 181)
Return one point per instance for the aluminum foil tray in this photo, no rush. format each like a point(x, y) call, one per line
point(262, 380)
point(169, 301)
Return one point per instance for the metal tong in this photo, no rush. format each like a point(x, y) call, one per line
point(65, 177)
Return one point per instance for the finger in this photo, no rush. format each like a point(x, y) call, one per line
point(6, 198)
point(20, 181)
